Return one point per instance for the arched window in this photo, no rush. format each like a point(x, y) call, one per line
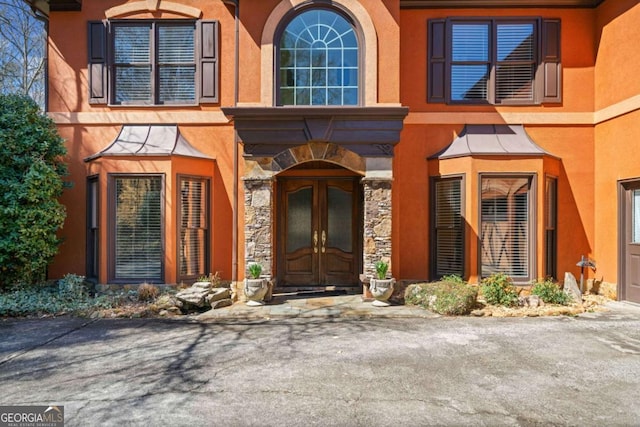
point(318, 60)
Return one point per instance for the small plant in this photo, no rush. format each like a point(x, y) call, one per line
point(255, 270)
point(550, 292)
point(71, 287)
point(453, 278)
point(381, 269)
point(498, 289)
point(204, 279)
point(443, 297)
point(147, 292)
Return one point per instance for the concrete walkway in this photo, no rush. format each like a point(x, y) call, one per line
point(314, 305)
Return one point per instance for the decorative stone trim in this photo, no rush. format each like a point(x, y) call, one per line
point(377, 224)
point(258, 220)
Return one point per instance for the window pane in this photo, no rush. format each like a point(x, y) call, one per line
point(177, 70)
point(339, 209)
point(133, 63)
point(133, 84)
point(470, 42)
point(635, 216)
point(138, 234)
point(193, 227)
point(325, 54)
point(299, 205)
point(131, 44)
point(177, 83)
point(176, 44)
point(514, 82)
point(448, 228)
point(515, 42)
point(505, 226)
point(550, 226)
point(469, 82)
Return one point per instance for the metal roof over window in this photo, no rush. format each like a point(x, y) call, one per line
point(150, 140)
point(492, 140)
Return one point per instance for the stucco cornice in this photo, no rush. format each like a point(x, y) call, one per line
point(152, 6)
point(427, 4)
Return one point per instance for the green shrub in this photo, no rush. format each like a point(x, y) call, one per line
point(498, 289)
point(443, 297)
point(550, 292)
point(454, 278)
point(31, 171)
point(72, 287)
point(68, 295)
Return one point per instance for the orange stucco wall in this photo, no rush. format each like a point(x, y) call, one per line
point(572, 143)
point(590, 135)
point(616, 153)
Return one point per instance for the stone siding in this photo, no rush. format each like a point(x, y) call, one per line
point(377, 224)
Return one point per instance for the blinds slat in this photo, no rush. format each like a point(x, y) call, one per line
point(505, 216)
point(448, 228)
point(138, 240)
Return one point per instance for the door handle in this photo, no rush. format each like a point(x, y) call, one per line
point(315, 241)
point(324, 240)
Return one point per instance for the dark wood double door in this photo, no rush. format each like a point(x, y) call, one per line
point(319, 237)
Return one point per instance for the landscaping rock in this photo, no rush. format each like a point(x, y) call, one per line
point(194, 296)
point(571, 287)
point(221, 303)
point(218, 294)
point(531, 301)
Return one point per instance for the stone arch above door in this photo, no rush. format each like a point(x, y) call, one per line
point(294, 156)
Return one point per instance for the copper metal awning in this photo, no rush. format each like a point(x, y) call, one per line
point(492, 140)
point(149, 140)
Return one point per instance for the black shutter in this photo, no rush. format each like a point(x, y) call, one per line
point(208, 61)
point(436, 72)
point(551, 68)
point(97, 67)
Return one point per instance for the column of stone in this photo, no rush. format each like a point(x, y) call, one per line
point(377, 224)
point(258, 195)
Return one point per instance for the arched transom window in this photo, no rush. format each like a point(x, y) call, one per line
point(318, 60)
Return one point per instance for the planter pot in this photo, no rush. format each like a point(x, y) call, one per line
point(381, 290)
point(255, 290)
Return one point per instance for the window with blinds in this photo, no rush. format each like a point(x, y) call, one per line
point(551, 215)
point(494, 60)
point(138, 222)
point(194, 228)
point(505, 227)
point(154, 63)
point(447, 228)
point(93, 228)
point(515, 61)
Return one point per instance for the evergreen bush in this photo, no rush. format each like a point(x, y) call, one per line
point(31, 171)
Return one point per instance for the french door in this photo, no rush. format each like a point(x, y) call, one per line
point(319, 238)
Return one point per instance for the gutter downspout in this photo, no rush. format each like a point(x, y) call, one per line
point(236, 173)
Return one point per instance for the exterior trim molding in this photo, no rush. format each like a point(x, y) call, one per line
point(152, 6)
point(451, 4)
point(134, 117)
point(585, 118)
point(367, 131)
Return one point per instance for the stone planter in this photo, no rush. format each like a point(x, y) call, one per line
point(255, 290)
point(381, 290)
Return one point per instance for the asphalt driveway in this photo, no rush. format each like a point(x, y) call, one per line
point(579, 371)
